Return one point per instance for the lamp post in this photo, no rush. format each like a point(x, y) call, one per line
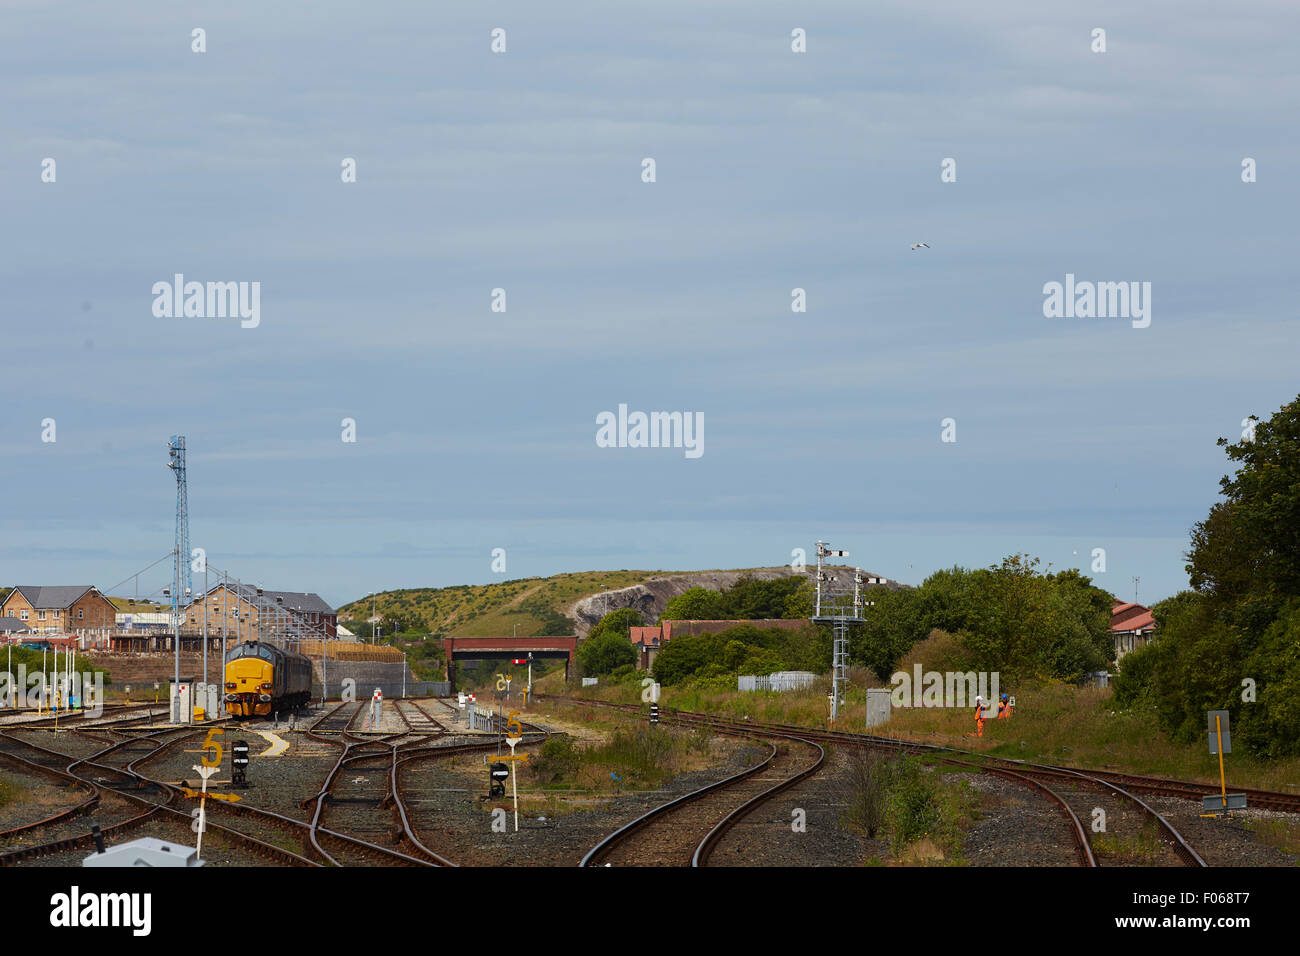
point(205, 622)
point(170, 593)
point(324, 673)
point(223, 613)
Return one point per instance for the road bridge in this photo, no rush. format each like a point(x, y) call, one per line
point(507, 648)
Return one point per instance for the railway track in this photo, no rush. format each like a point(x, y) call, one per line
point(337, 790)
point(337, 720)
point(1078, 785)
point(124, 798)
point(1141, 783)
point(112, 715)
point(409, 820)
point(685, 831)
point(124, 791)
point(1031, 775)
point(1082, 846)
point(417, 719)
point(366, 778)
point(1024, 773)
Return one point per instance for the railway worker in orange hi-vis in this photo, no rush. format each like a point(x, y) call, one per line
point(979, 716)
point(1004, 707)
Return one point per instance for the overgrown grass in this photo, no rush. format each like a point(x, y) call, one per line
point(286, 842)
point(1283, 835)
point(921, 814)
point(640, 757)
point(1141, 849)
point(865, 791)
point(10, 790)
point(1079, 725)
point(1053, 722)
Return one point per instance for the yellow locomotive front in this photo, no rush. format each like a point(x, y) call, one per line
point(249, 684)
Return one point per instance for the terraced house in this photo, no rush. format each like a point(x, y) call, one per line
point(243, 608)
point(61, 609)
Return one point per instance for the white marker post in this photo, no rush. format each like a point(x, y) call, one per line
point(514, 777)
point(204, 772)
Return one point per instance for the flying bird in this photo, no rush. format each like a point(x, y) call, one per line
point(920, 245)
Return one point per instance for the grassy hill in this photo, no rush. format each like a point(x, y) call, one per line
point(560, 604)
point(534, 605)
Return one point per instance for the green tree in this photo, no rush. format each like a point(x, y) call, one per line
point(753, 599)
point(681, 657)
point(619, 622)
point(604, 652)
point(1239, 627)
point(694, 604)
point(895, 622)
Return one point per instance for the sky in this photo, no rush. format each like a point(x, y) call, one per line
point(522, 170)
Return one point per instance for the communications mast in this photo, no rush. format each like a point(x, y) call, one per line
point(182, 579)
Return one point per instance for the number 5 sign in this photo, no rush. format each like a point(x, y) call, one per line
point(209, 744)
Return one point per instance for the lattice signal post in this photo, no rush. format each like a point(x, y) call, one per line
point(837, 616)
point(839, 622)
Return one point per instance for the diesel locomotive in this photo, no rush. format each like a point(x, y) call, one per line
point(262, 679)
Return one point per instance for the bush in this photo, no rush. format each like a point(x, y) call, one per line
point(748, 599)
point(865, 791)
point(643, 755)
point(619, 622)
point(605, 652)
point(913, 807)
point(743, 649)
point(1136, 674)
point(559, 758)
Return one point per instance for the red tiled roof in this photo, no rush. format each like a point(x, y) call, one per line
point(1131, 617)
point(648, 636)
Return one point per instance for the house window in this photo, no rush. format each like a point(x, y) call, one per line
point(40, 615)
point(56, 615)
point(81, 614)
point(22, 615)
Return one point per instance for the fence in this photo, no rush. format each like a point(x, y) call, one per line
point(348, 651)
point(779, 681)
